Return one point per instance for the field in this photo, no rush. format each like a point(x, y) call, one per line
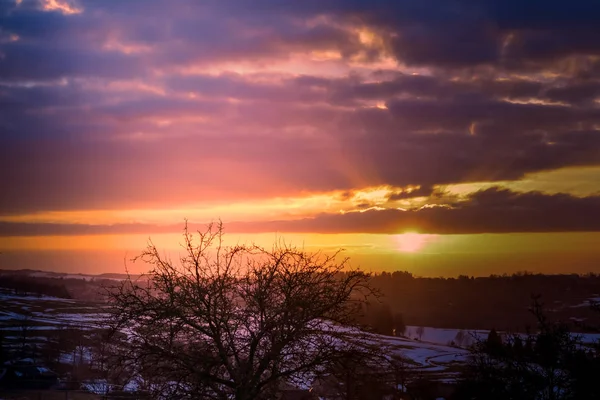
point(35, 319)
point(66, 330)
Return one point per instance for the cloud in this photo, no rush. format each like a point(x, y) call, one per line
point(421, 191)
point(145, 103)
point(276, 140)
point(457, 34)
point(493, 210)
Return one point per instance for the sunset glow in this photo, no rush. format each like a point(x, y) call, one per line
point(412, 242)
point(341, 123)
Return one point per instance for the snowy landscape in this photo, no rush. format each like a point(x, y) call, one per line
point(65, 332)
point(45, 315)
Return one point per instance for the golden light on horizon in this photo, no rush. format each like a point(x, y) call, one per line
point(413, 242)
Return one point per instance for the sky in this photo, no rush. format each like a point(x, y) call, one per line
point(440, 137)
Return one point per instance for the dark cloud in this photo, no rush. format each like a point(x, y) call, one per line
point(493, 210)
point(117, 106)
point(577, 93)
point(32, 229)
point(71, 149)
point(463, 33)
point(504, 35)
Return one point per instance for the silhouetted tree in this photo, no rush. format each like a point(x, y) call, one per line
point(22, 285)
point(24, 324)
point(379, 318)
point(399, 325)
point(105, 363)
point(360, 376)
point(517, 346)
point(461, 338)
point(3, 351)
point(52, 348)
point(493, 343)
point(553, 364)
point(420, 332)
point(236, 322)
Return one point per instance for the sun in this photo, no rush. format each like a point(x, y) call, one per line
point(412, 242)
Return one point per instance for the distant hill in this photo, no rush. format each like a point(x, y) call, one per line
point(50, 274)
point(494, 302)
point(70, 286)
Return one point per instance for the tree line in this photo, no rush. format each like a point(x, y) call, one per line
point(546, 363)
point(18, 285)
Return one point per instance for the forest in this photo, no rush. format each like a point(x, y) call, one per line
point(490, 302)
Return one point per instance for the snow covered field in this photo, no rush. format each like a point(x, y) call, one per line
point(428, 357)
point(50, 313)
point(465, 337)
point(430, 352)
point(47, 313)
point(461, 338)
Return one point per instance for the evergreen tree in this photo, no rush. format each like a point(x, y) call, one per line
point(553, 364)
point(399, 325)
point(3, 355)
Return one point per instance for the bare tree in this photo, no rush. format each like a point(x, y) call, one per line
point(359, 376)
point(420, 332)
point(399, 325)
point(3, 352)
point(236, 322)
point(104, 362)
point(461, 338)
point(25, 323)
